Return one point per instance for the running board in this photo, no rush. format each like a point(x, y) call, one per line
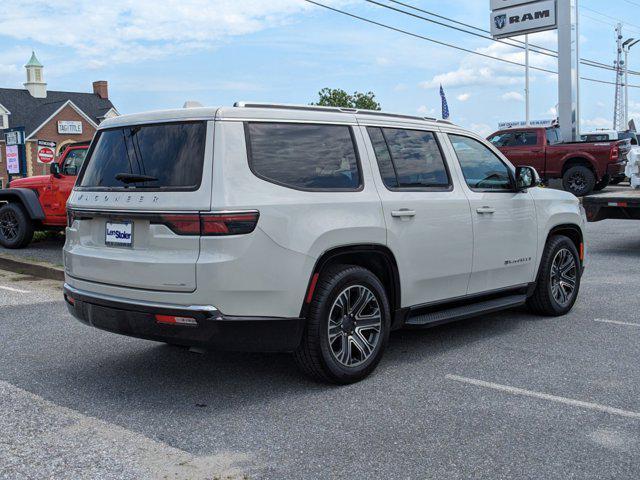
point(466, 311)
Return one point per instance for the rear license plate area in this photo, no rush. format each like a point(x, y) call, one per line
point(119, 234)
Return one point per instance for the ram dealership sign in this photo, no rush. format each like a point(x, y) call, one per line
point(512, 19)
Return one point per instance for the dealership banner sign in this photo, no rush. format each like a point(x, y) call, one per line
point(523, 19)
point(13, 159)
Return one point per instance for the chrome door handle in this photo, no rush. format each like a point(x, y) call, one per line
point(486, 210)
point(403, 212)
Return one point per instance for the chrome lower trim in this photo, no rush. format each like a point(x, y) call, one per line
point(141, 303)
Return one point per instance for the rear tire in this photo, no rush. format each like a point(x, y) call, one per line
point(558, 280)
point(579, 180)
point(16, 228)
point(347, 327)
point(602, 184)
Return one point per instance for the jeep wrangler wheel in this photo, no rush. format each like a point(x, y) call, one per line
point(579, 180)
point(347, 326)
point(559, 278)
point(16, 229)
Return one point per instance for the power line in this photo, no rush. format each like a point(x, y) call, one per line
point(617, 20)
point(632, 3)
point(444, 44)
point(548, 52)
point(437, 42)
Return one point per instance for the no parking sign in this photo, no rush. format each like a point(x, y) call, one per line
point(46, 151)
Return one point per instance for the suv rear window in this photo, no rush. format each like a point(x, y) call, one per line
point(166, 156)
point(304, 156)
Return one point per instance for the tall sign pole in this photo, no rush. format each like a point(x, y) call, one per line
point(526, 81)
point(568, 70)
point(512, 18)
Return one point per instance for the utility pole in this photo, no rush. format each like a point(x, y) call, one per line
point(619, 109)
point(626, 46)
point(526, 81)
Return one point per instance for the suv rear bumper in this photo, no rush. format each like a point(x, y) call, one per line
point(213, 329)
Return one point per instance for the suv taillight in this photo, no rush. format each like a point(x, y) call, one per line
point(211, 224)
point(70, 217)
point(615, 153)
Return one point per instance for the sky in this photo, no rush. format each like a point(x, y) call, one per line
point(157, 54)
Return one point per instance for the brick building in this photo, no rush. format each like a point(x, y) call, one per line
point(60, 117)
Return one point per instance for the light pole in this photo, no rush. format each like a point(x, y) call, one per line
point(626, 47)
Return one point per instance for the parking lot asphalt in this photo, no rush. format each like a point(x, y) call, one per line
point(509, 395)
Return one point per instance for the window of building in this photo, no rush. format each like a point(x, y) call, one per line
point(304, 156)
point(409, 158)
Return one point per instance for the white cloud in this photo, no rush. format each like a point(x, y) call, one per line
point(595, 123)
point(482, 129)
point(401, 87)
point(480, 71)
point(129, 31)
point(553, 111)
point(424, 110)
point(463, 97)
point(513, 96)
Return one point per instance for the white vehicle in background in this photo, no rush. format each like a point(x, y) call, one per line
point(310, 230)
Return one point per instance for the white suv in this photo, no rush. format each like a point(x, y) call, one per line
point(310, 230)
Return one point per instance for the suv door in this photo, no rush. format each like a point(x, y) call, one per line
point(504, 220)
point(429, 227)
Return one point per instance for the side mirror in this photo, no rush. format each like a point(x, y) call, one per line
point(54, 169)
point(526, 177)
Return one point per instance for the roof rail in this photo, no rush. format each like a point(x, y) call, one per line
point(320, 108)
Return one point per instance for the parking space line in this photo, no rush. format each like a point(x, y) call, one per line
point(616, 322)
point(16, 290)
point(545, 396)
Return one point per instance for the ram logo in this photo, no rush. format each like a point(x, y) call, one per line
point(501, 21)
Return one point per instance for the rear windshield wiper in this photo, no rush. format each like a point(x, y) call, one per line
point(134, 178)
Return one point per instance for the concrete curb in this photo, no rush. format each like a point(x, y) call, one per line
point(31, 267)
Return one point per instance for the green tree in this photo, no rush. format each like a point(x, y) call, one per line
point(336, 97)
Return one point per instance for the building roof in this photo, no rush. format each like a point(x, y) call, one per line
point(29, 112)
point(33, 61)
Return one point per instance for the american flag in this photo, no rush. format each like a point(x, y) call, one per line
point(445, 105)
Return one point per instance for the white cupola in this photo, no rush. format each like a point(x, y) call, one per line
point(35, 78)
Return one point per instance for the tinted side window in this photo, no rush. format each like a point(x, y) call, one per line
point(383, 156)
point(521, 139)
point(409, 158)
point(482, 169)
point(304, 156)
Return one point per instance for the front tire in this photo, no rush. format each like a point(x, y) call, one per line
point(579, 180)
point(16, 228)
point(347, 327)
point(559, 278)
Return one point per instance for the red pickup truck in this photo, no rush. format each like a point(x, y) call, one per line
point(39, 203)
point(582, 166)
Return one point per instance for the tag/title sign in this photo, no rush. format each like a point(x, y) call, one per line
point(519, 18)
point(69, 127)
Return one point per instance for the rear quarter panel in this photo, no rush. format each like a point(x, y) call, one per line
point(295, 227)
